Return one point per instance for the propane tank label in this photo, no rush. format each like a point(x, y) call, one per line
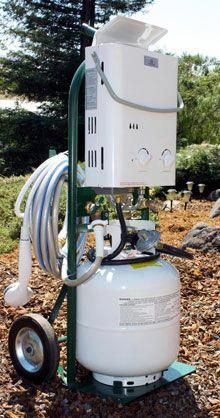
point(147, 311)
point(145, 264)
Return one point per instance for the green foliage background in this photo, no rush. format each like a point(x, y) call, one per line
point(199, 85)
point(9, 224)
point(199, 163)
point(25, 139)
point(50, 46)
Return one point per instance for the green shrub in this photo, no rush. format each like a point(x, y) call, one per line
point(9, 223)
point(25, 139)
point(157, 192)
point(198, 163)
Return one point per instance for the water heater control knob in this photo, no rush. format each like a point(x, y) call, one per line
point(167, 158)
point(144, 156)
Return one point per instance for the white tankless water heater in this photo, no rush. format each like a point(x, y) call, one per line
point(127, 146)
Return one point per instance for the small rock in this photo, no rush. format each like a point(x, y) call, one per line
point(215, 210)
point(199, 225)
point(87, 407)
point(203, 237)
point(214, 195)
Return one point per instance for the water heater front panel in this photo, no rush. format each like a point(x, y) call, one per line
point(127, 146)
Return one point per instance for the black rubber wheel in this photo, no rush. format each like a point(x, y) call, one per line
point(33, 348)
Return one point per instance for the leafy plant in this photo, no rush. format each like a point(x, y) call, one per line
point(199, 85)
point(49, 48)
point(199, 163)
point(25, 140)
point(9, 223)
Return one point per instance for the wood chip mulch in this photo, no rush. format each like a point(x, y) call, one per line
point(193, 396)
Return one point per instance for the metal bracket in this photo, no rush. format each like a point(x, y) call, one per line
point(124, 395)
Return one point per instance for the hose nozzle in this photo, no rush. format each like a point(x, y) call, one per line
point(18, 293)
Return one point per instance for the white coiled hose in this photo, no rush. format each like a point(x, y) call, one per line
point(42, 210)
point(40, 226)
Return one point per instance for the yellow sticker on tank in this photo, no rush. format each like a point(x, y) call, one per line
point(146, 264)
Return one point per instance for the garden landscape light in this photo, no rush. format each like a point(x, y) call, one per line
point(201, 187)
point(186, 197)
point(171, 194)
point(190, 185)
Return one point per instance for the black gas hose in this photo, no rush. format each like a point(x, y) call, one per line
point(109, 259)
point(124, 261)
point(123, 241)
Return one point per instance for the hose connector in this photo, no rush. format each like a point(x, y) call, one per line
point(99, 230)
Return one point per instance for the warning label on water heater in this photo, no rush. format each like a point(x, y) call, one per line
point(91, 89)
point(148, 310)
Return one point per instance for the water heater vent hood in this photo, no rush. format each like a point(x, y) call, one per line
point(123, 30)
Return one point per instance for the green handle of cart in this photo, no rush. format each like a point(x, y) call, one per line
point(72, 213)
point(88, 30)
point(73, 153)
point(72, 171)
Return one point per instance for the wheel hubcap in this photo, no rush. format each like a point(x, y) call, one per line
point(29, 350)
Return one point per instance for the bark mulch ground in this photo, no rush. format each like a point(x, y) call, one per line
point(193, 396)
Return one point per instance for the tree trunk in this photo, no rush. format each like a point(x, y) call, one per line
point(87, 16)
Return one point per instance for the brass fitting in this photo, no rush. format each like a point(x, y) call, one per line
point(142, 190)
point(118, 199)
point(93, 211)
point(88, 207)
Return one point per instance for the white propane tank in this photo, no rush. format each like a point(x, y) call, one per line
point(128, 322)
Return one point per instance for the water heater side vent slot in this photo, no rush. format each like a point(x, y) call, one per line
point(102, 158)
point(133, 126)
point(92, 158)
point(103, 69)
point(92, 125)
